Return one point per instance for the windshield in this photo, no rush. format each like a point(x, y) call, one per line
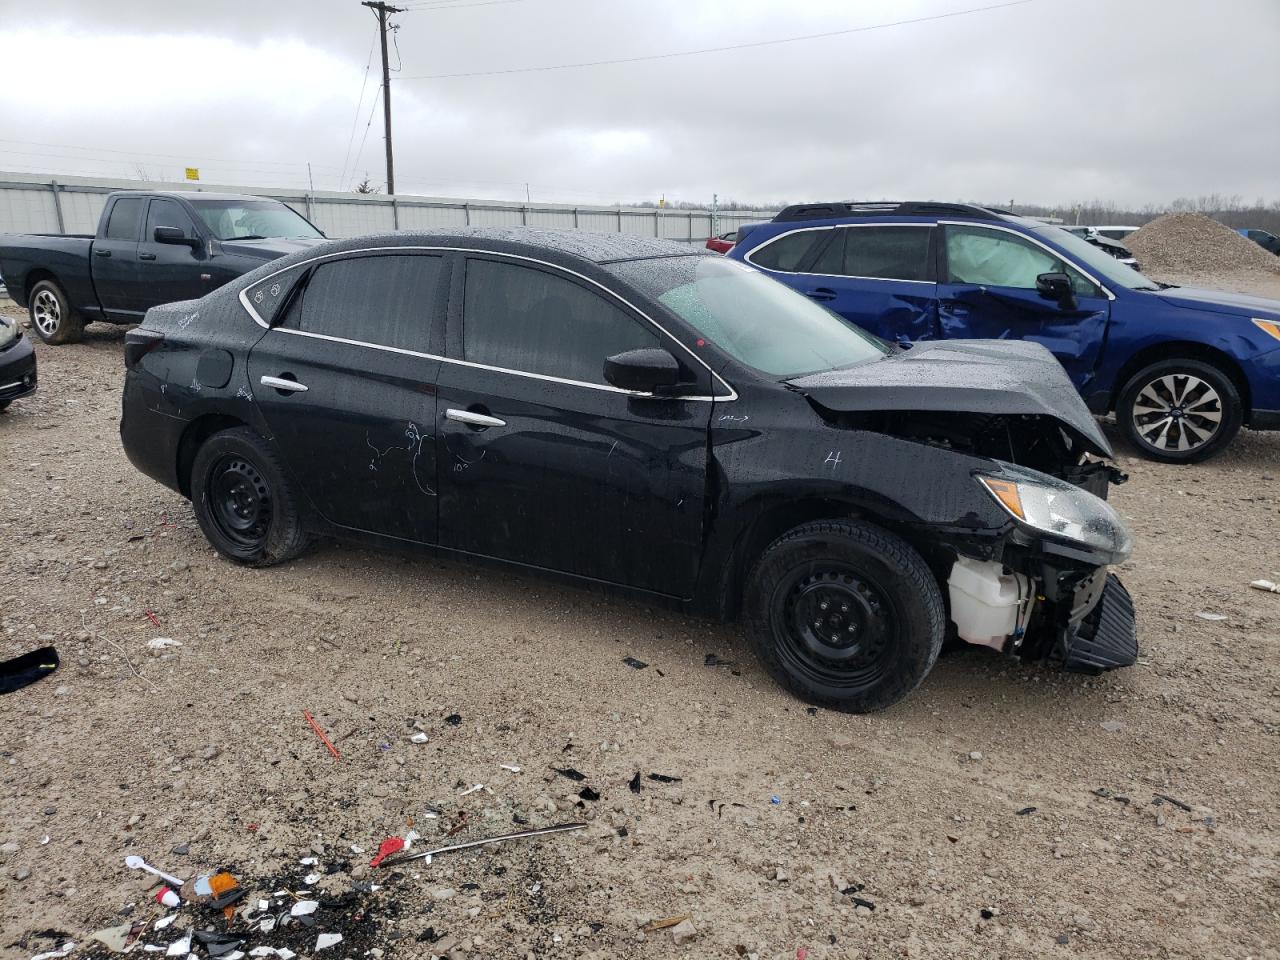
point(256, 219)
point(1096, 260)
point(754, 318)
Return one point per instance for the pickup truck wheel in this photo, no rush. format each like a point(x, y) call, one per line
point(844, 615)
point(52, 316)
point(1180, 411)
point(243, 501)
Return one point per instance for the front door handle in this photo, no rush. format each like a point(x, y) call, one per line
point(280, 383)
point(146, 256)
point(102, 253)
point(822, 293)
point(474, 419)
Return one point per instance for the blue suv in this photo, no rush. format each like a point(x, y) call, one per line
point(1183, 369)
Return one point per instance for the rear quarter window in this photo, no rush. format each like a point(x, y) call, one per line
point(788, 252)
point(268, 296)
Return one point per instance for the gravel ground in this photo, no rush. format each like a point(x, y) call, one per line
point(1003, 810)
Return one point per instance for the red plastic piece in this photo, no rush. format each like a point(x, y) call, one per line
point(387, 848)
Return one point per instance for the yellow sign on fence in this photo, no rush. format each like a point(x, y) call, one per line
point(193, 173)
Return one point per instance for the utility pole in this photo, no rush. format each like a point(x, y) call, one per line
point(383, 10)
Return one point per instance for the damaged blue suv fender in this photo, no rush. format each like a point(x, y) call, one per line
point(629, 413)
point(1182, 369)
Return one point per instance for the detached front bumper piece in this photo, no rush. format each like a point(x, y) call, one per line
point(17, 370)
point(1107, 637)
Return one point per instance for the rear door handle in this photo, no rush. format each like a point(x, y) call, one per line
point(280, 383)
point(474, 419)
point(102, 253)
point(822, 293)
point(146, 256)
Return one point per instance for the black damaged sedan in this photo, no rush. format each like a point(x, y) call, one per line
point(17, 363)
point(634, 413)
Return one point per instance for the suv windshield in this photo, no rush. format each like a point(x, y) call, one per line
point(1096, 260)
point(754, 318)
point(244, 219)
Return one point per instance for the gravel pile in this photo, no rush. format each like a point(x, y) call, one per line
point(1194, 243)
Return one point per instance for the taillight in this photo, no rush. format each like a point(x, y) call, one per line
point(138, 343)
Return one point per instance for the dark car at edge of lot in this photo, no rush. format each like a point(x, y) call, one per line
point(150, 248)
point(17, 363)
point(1183, 369)
point(631, 413)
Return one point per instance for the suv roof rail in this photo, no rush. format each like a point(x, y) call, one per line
point(885, 208)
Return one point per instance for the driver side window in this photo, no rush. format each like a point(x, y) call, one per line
point(994, 258)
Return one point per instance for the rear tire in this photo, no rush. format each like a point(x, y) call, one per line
point(1180, 411)
point(53, 318)
point(243, 501)
point(844, 615)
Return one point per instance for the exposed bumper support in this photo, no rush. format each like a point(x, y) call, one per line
point(1107, 637)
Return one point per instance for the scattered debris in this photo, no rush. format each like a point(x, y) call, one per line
point(559, 828)
point(634, 663)
point(510, 767)
point(418, 737)
point(586, 793)
point(303, 908)
point(152, 617)
point(975, 755)
point(162, 643)
point(663, 778)
point(1160, 798)
point(1106, 794)
point(1111, 726)
point(775, 799)
point(1212, 617)
point(1266, 586)
point(473, 789)
point(326, 940)
point(320, 733)
point(1025, 810)
point(634, 784)
point(62, 951)
point(453, 719)
point(572, 774)
point(387, 848)
point(712, 660)
point(24, 670)
point(166, 897)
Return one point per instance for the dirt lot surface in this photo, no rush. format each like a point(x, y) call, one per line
point(1003, 810)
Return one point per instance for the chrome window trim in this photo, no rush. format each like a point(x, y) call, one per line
point(1044, 246)
point(843, 276)
point(714, 398)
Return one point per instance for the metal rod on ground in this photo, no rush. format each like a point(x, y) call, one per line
point(559, 828)
point(383, 10)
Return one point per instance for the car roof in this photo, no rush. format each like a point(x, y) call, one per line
point(599, 248)
point(187, 195)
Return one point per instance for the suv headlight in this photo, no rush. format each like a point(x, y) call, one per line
point(1060, 509)
point(8, 331)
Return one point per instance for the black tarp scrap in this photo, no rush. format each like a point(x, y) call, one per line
point(26, 669)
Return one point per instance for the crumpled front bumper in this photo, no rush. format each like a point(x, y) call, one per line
point(1107, 636)
point(17, 370)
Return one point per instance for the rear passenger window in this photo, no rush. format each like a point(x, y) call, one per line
point(879, 253)
point(386, 300)
point(532, 321)
point(125, 221)
point(269, 296)
point(788, 252)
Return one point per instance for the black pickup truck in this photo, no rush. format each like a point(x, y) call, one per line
point(150, 248)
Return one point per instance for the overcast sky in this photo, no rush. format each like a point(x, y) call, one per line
point(1043, 101)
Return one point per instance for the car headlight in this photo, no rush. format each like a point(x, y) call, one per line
point(8, 331)
point(1060, 509)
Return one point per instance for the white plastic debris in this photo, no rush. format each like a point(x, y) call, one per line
point(1265, 585)
point(284, 953)
point(165, 921)
point(308, 861)
point(478, 786)
point(409, 837)
point(303, 907)
point(1212, 617)
point(311, 878)
point(233, 955)
point(180, 948)
point(356, 849)
point(267, 924)
point(510, 766)
point(327, 940)
point(418, 738)
point(60, 952)
point(160, 643)
point(264, 905)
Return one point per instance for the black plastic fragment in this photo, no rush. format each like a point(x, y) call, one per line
point(27, 669)
point(1160, 798)
point(634, 663)
point(1026, 810)
point(811, 711)
point(663, 778)
point(586, 793)
point(453, 719)
point(516, 818)
point(985, 914)
point(429, 935)
point(571, 773)
point(714, 661)
point(634, 785)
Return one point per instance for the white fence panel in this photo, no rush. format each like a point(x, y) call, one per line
point(30, 211)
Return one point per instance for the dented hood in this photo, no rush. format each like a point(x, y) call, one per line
point(966, 376)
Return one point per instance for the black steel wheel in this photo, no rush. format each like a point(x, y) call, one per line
point(844, 614)
point(1180, 411)
point(243, 500)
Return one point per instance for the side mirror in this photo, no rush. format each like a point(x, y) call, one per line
point(1056, 286)
point(648, 370)
point(176, 236)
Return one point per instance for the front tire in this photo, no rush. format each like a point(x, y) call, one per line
point(53, 318)
point(845, 615)
point(244, 502)
point(1180, 411)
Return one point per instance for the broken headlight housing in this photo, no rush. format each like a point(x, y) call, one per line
point(1049, 505)
point(8, 332)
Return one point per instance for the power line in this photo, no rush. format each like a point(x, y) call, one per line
point(459, 6)
point(723, 49)
point(368, 124)
point(355, 117)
